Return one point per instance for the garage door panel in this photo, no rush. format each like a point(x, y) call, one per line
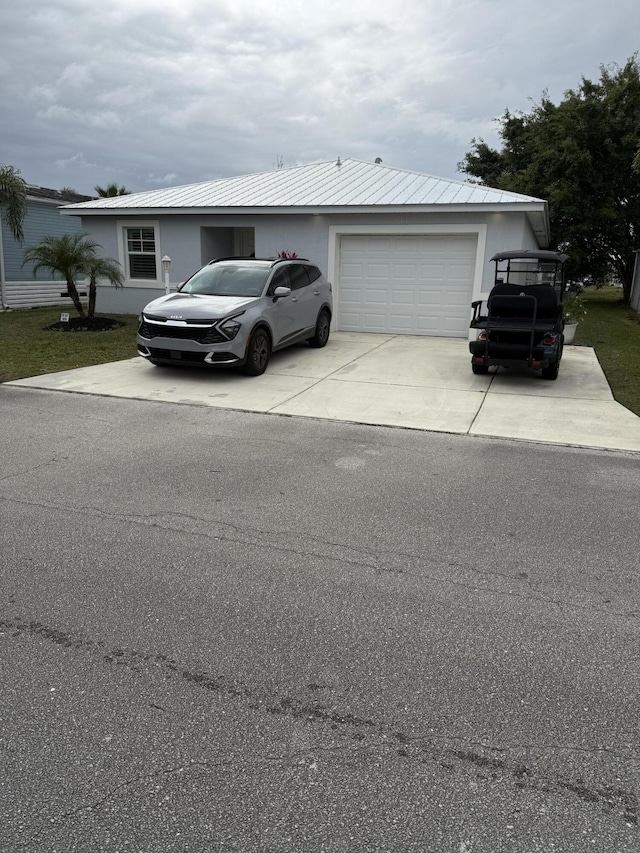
point(430, 300)
point(401, 297)
point(376, 297)
point(418, 284)
point(457, 300)
point(375, 322)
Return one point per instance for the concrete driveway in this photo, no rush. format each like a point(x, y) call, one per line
point(402, 381)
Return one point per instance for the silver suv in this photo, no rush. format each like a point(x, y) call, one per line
point(236, 312)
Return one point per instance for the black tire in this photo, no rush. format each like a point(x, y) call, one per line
point(480, 369)
point(258, 353)
point(323, 327)
point(551, 372)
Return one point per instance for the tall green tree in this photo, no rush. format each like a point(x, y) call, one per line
point(13, 198)
point(73, 256)
point(111, 190)
point(579, 155)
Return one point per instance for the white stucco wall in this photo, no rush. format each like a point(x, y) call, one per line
point(181, 237)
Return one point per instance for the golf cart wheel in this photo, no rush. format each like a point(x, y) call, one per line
point(323, 326)
point(480, 369)
point(551, 372)
point(258, 353)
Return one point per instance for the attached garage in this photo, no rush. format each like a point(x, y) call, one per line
point(417, 284)
point(406, 252)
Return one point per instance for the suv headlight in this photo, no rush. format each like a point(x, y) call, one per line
point(231, 327)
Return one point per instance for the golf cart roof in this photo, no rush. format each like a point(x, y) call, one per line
point(533, 255)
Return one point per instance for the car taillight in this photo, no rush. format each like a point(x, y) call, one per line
point(548, 340)
point(482, 336)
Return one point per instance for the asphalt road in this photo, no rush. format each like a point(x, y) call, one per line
point(233, 632)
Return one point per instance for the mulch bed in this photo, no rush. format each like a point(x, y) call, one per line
point(84, 324)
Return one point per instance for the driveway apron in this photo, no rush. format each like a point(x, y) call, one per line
point(389, 380)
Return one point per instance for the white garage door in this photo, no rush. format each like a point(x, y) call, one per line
point(407, 285)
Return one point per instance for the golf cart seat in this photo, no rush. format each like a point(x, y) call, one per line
point(503, 303)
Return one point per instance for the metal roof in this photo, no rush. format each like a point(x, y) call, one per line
point(61, 196)
point(350, 184)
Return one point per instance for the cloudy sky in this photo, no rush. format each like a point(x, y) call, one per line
point(153, 93)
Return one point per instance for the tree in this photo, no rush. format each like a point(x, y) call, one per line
point(111, 190)
point(13, 197)
point(579, 155)
point(101, 268)
point(74, 255)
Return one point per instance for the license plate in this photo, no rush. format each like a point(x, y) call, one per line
point(175, 353)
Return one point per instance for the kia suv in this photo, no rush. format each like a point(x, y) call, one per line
point(235, 312)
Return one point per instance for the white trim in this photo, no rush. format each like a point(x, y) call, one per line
point(528, 208)
point(338, 231)
point(123, 255)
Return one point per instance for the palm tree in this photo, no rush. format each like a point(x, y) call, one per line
point(111, 190)
point(70, 256)
point(101, 268)
point(13, 196)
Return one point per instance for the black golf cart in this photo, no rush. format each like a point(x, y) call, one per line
point(521, 323)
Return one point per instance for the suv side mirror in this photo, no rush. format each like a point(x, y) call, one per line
point(281, 292)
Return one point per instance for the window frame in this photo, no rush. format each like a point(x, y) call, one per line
point(313, 272)
point(282, 271)
point(123, 250)
point(298, 276)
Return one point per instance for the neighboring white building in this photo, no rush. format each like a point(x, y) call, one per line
point(407, 253)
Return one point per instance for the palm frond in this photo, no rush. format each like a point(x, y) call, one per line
point(13, 196)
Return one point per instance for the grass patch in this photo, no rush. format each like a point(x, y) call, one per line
point(28, 349)
point(613, 330)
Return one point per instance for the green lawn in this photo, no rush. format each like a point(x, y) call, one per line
point(26, 349)
point(613, 330)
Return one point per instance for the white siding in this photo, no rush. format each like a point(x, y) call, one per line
point(39, 294)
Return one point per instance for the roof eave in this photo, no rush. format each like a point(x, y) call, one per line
point(530, 208)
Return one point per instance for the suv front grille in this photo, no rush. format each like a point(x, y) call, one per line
point(207, 335)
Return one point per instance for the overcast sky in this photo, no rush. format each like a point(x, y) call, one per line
point(155, 93)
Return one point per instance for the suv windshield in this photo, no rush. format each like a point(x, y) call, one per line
point(228, 280)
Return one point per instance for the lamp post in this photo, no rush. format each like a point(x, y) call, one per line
point(166, 263)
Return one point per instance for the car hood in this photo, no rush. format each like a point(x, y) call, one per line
point(194, 306)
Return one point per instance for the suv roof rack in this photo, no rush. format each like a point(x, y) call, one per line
point(253, 258)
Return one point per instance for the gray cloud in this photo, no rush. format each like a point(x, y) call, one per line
point(167, 92)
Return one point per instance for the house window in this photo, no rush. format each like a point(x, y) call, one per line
point(141, 252)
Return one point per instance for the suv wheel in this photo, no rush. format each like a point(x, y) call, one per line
point(258, 353)
point(323, 325)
